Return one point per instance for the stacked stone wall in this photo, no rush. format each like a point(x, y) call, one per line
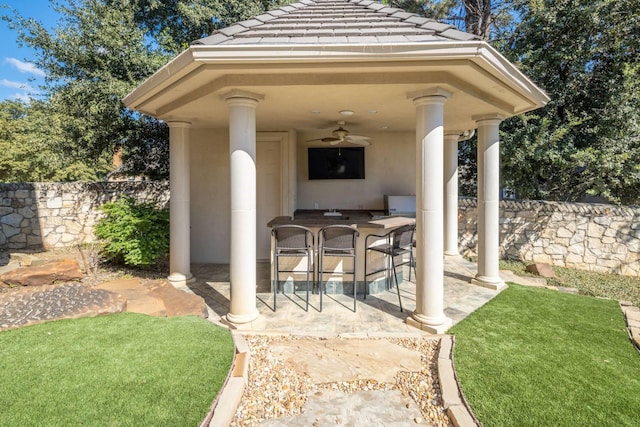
point(594, 237)
point(604, 238)
point(36, 216)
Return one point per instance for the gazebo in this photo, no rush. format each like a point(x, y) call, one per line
point(241, 103)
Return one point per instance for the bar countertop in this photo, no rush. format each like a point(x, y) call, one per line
point(357, 218)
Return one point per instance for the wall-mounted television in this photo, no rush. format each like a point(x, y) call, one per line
point(336, 163)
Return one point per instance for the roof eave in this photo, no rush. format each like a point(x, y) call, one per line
point(479, 52)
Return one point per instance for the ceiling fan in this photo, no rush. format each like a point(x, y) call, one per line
point(343, 135)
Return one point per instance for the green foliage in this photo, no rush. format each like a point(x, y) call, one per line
point(136, 234)
point(604, 285)
point(586, 141)
point(33, 147)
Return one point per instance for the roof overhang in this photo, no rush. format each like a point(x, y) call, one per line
point(299, 79)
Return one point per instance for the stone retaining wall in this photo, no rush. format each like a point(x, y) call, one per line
point(36, 216)
point(603, 238)
point(595, 237)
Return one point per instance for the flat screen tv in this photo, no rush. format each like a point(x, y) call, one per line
point(336, 163)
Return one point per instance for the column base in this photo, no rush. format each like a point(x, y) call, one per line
point(240, 319)
point(181, 280)
point(429, 324)
point(495, 283)
point(452, 254)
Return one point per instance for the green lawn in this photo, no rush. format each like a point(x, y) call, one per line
point(117, 370)
point(536, 357)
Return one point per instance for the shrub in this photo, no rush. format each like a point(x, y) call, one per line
point(135, 234)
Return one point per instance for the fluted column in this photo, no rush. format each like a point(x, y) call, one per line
point(451, 194)
point(429, 314)
point(488, 203)
point(179, 204)
point(242, 149)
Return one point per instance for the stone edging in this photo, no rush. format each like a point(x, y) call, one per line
point(225, 405)
point(632, 318)
point(452, 396)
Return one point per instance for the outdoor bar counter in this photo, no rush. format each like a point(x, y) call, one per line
point(366, 223)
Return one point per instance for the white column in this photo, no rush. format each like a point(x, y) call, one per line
point(451, 194)
point(429, 314)
point(179, 204)
point(242, 149)
point(489, 203)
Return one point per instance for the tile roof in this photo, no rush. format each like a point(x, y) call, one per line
point(326, 22)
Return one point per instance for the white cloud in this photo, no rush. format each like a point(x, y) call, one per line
point(16, 85)
point(25, 67)
point(21, 97)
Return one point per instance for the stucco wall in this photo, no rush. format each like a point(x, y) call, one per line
point(210, 195)
point(390, 167)
point(603, 238)
point(34, 216)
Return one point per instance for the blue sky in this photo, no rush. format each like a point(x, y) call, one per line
point(19, 78)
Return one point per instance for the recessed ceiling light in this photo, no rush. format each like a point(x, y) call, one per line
point(346, 113)
point(315, 111)
point(373, 111)
point(384, 127)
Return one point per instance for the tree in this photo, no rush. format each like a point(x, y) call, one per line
point(101, 50)
point(33, 148)
point(586, 141)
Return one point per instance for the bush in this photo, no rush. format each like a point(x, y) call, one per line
point(136, 234)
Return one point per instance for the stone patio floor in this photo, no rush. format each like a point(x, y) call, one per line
point(378, 314)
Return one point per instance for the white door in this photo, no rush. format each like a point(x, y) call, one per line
point(269, 196)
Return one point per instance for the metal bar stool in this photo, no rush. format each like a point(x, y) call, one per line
point(337, 241)
point(291, 241)
point(398, 243)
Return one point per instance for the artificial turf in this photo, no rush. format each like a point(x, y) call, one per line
point(537, 357)
point(118, 370)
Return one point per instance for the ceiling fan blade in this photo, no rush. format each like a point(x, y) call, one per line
point(358, 137)
point(336, 141)
point(364, 141)
point(326, 139)
point(361, 142)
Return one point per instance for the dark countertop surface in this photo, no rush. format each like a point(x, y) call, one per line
point(357, 218)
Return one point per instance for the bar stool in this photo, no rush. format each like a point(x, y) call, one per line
point(397, 243)
point(291, 241)
point(337, 241)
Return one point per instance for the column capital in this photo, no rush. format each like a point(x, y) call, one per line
point(459, 135)
point(488, 119)
point(451, 138)
point(178, 124)
point(242, 97)
point(429, 96)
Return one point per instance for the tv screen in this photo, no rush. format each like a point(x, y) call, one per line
point(336, 163)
